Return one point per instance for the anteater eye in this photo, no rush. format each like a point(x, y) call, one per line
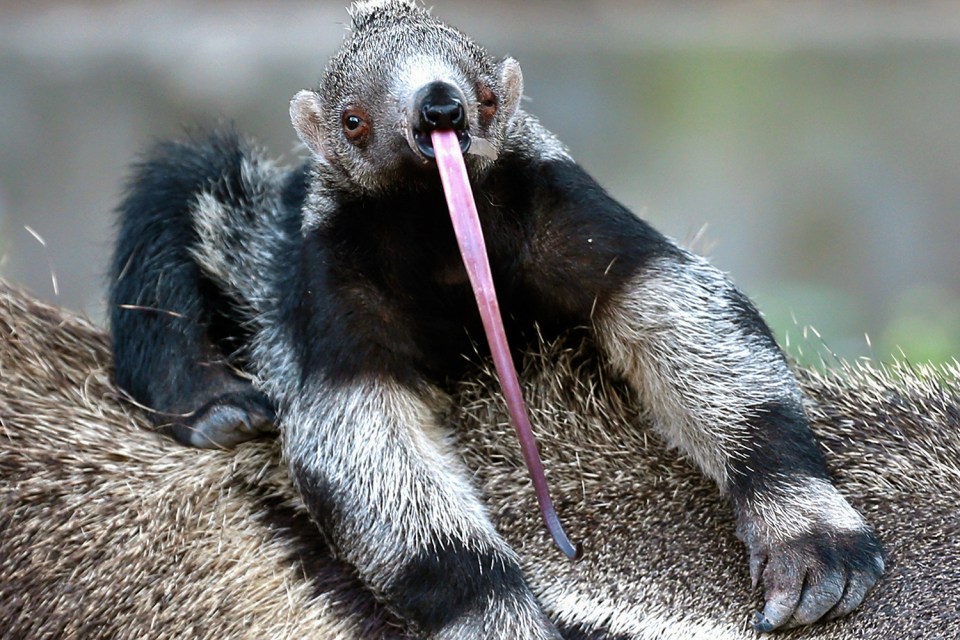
point(355, 124)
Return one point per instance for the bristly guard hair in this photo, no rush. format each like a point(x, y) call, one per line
point(137, 537)
point(366, 13)
point(341, 284)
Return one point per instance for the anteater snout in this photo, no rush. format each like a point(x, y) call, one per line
point(440, 106)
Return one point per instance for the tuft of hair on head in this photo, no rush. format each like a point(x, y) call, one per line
point(365, 12)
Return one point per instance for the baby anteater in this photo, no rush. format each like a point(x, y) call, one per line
point(331, 300)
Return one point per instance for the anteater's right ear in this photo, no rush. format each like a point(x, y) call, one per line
point(511, 81)
point(306, 113)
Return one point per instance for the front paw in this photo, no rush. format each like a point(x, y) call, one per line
point(209, 405)
point(814, 577)
point(817, 563)
point(226, 420)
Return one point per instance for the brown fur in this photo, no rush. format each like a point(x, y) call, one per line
point(109, 530)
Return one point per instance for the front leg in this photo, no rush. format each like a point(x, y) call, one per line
point(715, 384)
point(369, 459)
point(713, 381)
point(359, 427)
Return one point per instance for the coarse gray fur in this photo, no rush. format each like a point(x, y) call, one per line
point(706, 370)
point(139, 537)
point(345, 300)
point(373, 454)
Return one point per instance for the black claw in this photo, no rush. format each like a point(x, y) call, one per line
point(817, 599)
point(760, 623)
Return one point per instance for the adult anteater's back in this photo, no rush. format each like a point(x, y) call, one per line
point(109, 530)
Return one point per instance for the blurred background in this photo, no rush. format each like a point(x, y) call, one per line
point(818, 143)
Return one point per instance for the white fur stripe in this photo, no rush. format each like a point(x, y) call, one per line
point(801, 506)
point(379, 447)
point(674, 333)
point(633, 621)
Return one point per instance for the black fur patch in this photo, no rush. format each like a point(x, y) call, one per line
point(578, 632)
point(579, 246)
point(317, 495)
point(169, 322)
point(337, 581)
point(782, 445)
point(383, 287)
point(442, 584)
point(748, 318)
point(295, 188)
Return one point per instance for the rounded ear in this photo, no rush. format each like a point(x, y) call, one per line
point(511, 81)
point(306, 113)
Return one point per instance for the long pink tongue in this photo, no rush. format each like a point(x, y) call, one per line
point(466, 225)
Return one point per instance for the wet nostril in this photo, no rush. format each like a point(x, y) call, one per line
point(457, 118)
point(442, 116)
point(439, 105)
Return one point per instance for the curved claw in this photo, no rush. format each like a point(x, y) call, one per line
point(820, 595)
point(858, 586)
point(783, 580)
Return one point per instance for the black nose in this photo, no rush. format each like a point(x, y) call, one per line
point(440, 107)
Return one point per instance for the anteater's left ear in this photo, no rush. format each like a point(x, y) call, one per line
point(306, 113)
point(511, 83)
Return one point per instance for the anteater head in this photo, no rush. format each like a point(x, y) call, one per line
point(400, 74)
